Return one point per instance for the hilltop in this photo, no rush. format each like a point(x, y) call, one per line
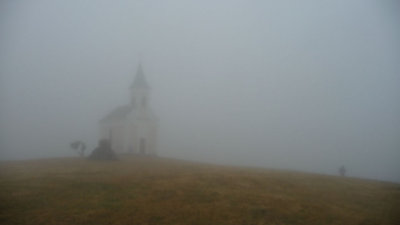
point(140, 190)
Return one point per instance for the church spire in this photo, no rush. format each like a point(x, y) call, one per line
point(140, 79)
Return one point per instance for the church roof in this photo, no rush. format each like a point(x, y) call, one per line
point(117, 114)
point(140, 79)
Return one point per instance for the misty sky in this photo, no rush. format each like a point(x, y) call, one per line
point(303, 85)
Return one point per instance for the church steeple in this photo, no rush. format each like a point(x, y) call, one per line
point(140, 90)
point(140, 79)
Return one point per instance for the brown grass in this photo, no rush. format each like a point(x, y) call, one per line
point(164, 191)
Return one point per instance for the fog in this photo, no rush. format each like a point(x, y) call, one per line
point(298, 85)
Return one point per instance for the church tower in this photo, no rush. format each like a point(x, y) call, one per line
point(140, 90)
point(133, 128)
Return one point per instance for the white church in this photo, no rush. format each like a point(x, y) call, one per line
point(132, 128)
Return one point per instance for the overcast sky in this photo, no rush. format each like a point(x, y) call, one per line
point(303, 85)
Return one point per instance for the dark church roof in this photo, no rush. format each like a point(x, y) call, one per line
point(140, 80)
point(117, 114)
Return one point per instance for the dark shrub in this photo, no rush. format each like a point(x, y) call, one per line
point(103, 151)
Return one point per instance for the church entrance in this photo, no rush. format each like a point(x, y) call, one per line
point(142, 146)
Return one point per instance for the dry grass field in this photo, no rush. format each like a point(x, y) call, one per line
point(164, 191)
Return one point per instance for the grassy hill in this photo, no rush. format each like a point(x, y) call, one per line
point(164, 191)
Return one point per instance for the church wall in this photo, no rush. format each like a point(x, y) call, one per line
point(130, 139)
point(117, 134)
point(153, 139)
point(118, 137)
point(146, 130)
point(126, 135)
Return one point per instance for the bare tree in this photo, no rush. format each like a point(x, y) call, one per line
point(342, 171)
point(79, 146)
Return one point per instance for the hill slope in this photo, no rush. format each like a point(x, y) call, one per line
point(163, 191)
